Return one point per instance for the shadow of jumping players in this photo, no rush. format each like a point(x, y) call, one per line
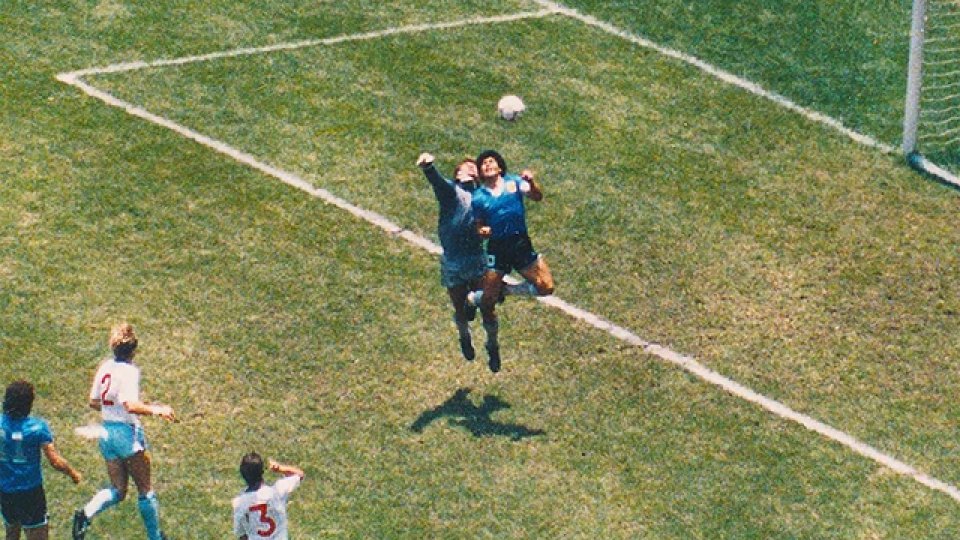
point(461, 412)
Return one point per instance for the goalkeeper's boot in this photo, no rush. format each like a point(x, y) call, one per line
point(80, 525)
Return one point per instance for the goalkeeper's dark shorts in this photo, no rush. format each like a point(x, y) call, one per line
point(514, 252)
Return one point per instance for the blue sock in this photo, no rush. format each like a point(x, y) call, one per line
point(105, 498)
point(150, 513)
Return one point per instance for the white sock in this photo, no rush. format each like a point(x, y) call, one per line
point(105, 498)
point(521, 289)
point(474, 297)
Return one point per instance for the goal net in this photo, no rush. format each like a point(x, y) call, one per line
point(931, 130)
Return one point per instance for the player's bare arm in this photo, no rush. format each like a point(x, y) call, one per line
point(59, 463)
point(150, 409)
point(286, 470)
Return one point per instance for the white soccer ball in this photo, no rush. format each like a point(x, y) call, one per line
point(510, 107)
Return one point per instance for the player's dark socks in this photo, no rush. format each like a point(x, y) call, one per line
point(466, 347)
point(469, 310)
point(494, 361)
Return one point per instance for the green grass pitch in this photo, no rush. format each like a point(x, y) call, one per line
point(772, 249)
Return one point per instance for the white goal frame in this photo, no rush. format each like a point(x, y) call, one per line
point(911, 115)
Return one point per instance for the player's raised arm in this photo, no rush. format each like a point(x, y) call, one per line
point(534, 194)
point(286, 470)
point(442, 188)
point(425, 160)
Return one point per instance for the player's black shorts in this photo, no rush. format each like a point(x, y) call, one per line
point(25, 508)
point(514, 252)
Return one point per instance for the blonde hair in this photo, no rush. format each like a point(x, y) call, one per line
point(123, 340)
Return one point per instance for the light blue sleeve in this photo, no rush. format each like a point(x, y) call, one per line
point(45, 434)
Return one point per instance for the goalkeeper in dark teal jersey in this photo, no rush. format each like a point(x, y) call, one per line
point(463, 262)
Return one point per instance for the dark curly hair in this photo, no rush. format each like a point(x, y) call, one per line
point(18, 399)
point(495, 155)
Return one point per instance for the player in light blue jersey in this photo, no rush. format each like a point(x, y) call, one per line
point(500, 214)
point(22, 439)
point(463, 262)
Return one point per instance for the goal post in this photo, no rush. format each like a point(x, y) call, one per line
point(931, 121)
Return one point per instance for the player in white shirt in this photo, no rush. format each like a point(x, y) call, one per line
point(260, 512)
point(116, 394)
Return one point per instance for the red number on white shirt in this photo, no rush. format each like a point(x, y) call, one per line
point(265, 519)
point(105, 382)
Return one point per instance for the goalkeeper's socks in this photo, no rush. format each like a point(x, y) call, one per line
point(494, 358)
point(493, 331)
point(463, 328)
point(466, 342)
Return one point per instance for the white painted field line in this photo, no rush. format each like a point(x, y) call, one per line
point(724, 76)
point(223, 148)
point(691, 365)
point(411, 29)
point(687, 363)
point(729, 385)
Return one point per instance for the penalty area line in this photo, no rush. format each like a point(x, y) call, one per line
point(290, 46)
point(689, 364)
point(727, 384)
point(718, 73)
